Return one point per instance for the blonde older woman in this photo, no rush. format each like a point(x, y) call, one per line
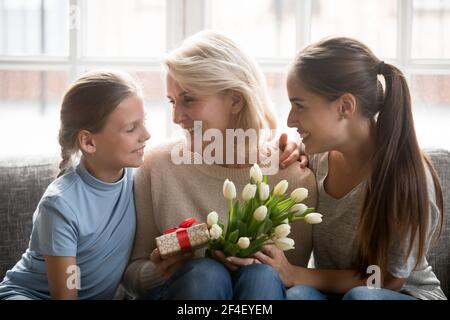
point(213, 87)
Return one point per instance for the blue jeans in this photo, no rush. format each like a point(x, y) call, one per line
point(358, 293)
point(208, 279)
point(17, 297)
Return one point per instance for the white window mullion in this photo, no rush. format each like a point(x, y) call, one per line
point(194, 16)
point(179, 25)
point(207, 13)
point(3, 28)
point(76, 29)
point(175, 23)
point(32, 63)
point(404, 32)
point(303, 23)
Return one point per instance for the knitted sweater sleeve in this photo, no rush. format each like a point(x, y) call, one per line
point(140, 274)
point(301, 232)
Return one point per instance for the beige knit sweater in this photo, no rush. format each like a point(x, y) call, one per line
point(166, 194)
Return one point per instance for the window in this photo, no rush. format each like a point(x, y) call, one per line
point(132, 28)
point(431, 29)
point(29, 100)
point(158, 109)
point(431, 98)
point(46, 44)
point(34, 27)
point(375, 21)
point(269, 25)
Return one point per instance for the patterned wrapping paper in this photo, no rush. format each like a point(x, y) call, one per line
point(168, 244)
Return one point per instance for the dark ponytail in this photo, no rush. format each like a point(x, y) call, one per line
point(396, 206)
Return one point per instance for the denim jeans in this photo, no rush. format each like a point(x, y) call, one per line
point(17, 297)
point(358, 293)
point(208, 279)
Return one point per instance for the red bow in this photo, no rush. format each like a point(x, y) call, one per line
point(182, 235)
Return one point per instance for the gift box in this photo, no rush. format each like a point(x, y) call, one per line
point(186, 238)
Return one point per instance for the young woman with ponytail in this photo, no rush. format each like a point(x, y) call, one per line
point(83, 227)
point(379, 195)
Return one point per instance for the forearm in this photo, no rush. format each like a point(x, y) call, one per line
point(63, 277)
point(62, 293)
point(140, 276)
point(330, 281)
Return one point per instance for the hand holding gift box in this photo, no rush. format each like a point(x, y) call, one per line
point(188, 237)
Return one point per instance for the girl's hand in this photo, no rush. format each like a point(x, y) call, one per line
point(167, 267)
point(233, 263)
point(276, 258)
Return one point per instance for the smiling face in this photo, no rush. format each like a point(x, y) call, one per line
point(121, 142)
point(316, 119)
point(214, 111)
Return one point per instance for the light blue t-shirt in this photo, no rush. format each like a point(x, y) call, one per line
point(83, 217)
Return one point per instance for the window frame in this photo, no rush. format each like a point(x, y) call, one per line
point(186, 17)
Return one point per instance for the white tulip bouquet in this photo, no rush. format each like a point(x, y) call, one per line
point(264, 216)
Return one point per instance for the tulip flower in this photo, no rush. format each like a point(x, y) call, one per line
point(229, 190)
point(260, 213)
point(256, 174)
point(285, 243)
point(264, 216)
point(280, 188)
point(243, 242)
point(212, 218)
point(313, 218)
point(249, 192)
point(282, 231)
point(298, 208)
point(264, 191)
point(215, 232)
point(299, 194)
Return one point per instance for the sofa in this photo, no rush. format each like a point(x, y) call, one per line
point(23, 181)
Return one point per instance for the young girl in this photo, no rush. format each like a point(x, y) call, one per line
point(83, 227)
point(380, 196)
point(212, 81)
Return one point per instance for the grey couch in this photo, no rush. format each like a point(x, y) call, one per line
point(23, 181)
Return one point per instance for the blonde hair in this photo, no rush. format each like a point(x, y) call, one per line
point(211, 63)
point(87, 104)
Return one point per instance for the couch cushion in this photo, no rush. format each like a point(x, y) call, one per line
point(439, 255)
point(22, 183)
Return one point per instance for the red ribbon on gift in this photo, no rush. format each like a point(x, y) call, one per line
point(182, 235)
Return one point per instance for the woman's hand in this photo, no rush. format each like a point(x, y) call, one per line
point(276, 258)
point(233, 263)
point(290, 153)
point(167, 267)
